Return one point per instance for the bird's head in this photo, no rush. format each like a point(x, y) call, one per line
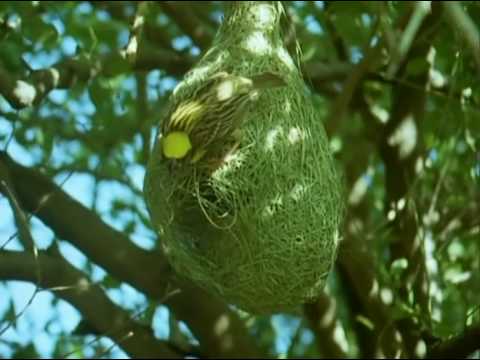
point(231, 85)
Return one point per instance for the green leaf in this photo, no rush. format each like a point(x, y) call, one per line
point(470, 140)
point(11, 55)
point(130, 227)
point(117, 65)
point(26, 352)
point(366, 322)
point(10, 316)
point(110, 282)
point(399, 265)
point(119, 205)
point(417, 66)
point(100, 93)
point(39, 32)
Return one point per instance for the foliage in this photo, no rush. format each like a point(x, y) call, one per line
point(398, 87)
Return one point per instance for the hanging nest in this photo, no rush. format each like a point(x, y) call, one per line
point(261, 231)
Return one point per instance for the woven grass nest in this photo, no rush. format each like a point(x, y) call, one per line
point(271, 243)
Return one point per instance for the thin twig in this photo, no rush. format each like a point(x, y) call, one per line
point(133, 45)
point(20, 314)
point(459, 20)
point(420, 12)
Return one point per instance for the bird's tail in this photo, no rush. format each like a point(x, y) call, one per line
point(267, 80)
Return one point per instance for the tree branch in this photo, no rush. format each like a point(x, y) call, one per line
point(358, 268)
point(322, 317)
point(458, 347)
point(335, 38)
point(460, 20)
point(399, 147)
point(21, 93)
point(420, 10)
point(24, 234)
point(154, 33)
point(131, 50)
point(73, 286)
point(188, 22)
point(120, 257)
point(102, 244)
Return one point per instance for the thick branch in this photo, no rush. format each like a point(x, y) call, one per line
point(399, 147)
point(156, 34)
point(89, 299)
point(322, 317)
point(188, 22)
point(358, 267)
point(322, 72)
point(75, 223)
point(21, 93)
point(458, 347)
point(146, 271)
point(337, 41)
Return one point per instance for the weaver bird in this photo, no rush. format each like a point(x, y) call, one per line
point(202, 129)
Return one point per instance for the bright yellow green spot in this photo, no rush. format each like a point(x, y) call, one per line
point(176, 145)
